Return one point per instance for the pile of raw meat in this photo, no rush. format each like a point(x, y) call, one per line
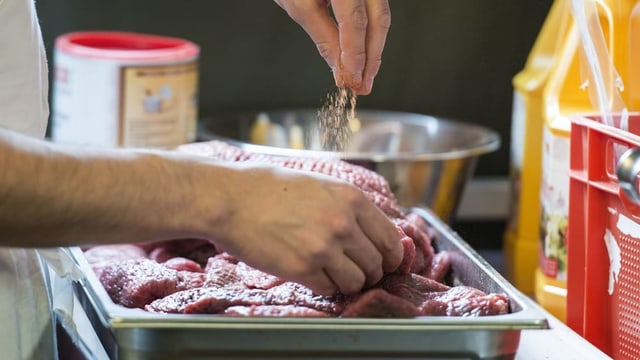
point(195, 277)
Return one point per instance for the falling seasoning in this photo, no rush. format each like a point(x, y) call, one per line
point(334, 117)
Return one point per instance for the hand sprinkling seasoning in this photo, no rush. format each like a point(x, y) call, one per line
point(334, 117)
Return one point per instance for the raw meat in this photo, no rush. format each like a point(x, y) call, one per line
point(210, 300)
point(104, 255)
point(372, 184)
point(273, 310)
point(197, 250)
point(135, 283)
point(439, 267)
point(380, 304)
point(183, 264)
point(195, 277)
point(434, 298)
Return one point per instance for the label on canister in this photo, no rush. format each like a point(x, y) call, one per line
point(118, 89)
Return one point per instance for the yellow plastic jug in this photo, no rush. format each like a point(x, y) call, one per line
point(521, 238)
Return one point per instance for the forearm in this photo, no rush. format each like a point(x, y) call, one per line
point(56, 196)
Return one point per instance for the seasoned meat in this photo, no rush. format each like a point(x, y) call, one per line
point(273, 311)
point(195, 277)
point(209, 300)
point(135, 283)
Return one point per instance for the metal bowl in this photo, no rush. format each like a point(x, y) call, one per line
point(427, 160)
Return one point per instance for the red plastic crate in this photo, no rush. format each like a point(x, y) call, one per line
point(603, 296)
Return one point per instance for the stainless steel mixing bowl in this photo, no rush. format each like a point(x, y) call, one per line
point(427, 160)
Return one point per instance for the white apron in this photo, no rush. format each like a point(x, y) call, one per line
point(26, 330)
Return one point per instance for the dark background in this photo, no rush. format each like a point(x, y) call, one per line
point(452, 58)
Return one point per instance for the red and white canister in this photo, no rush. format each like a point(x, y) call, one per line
point(122, 89)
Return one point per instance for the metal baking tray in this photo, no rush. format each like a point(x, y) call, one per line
point(137, 334)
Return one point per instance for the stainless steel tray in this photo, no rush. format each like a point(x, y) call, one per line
point(136, 334)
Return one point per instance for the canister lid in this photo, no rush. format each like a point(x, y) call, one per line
point(126, 46)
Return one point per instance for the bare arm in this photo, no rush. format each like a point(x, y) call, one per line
point(312, 229)
point(54, 196)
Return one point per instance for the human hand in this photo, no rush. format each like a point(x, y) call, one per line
point(351, 44)
point(309, 228)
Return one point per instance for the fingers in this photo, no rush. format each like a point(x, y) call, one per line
point(345, 274)
point(382, 234)
point(363, 254)
point(339, 274)
point(360, 265)
point(352, 19)
point(379, 22)
point(321, 283)
point(355, 263)
point(370, 241)
point(353, 47)
point(363, 26)
point(314, 17)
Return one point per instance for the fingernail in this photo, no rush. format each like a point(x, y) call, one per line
point(368, 85)
point(356, 79)
point(338, 78)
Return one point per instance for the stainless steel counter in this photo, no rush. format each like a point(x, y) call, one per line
point(559, 342)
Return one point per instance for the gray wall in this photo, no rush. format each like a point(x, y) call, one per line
point(452, 58)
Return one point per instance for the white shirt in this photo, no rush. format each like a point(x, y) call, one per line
point(26, 330)
point(23, 69)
